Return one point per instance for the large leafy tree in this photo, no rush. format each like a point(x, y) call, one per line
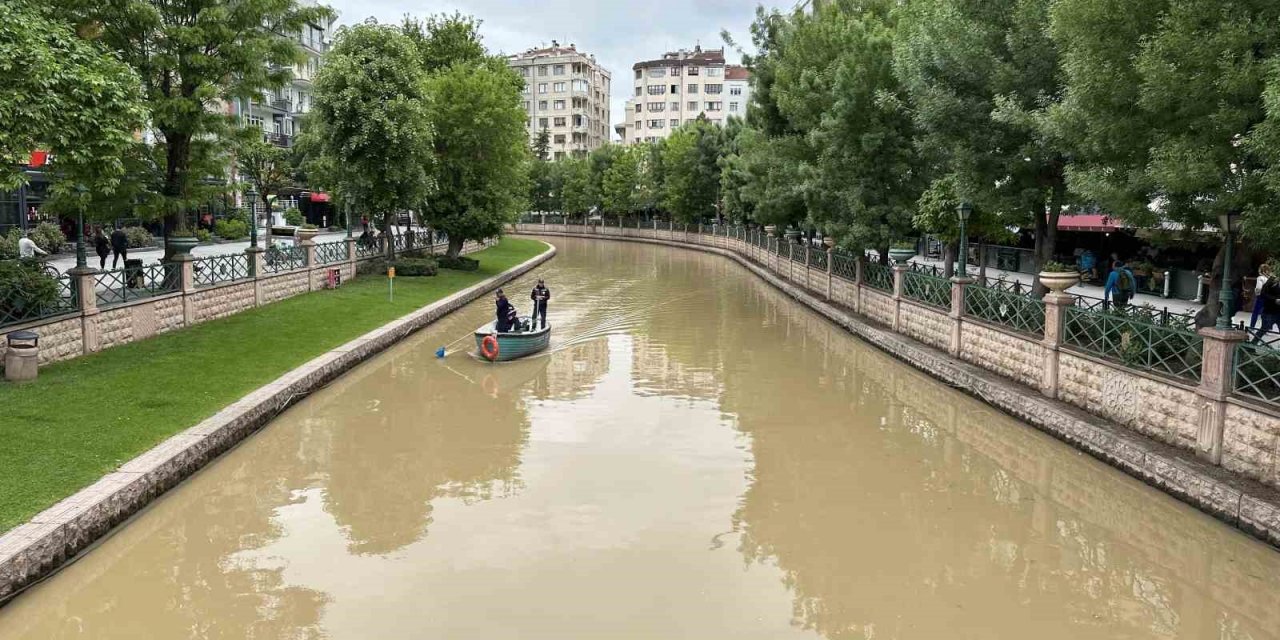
point(575, 192)
point(191, 55)
point(690, 160)
point(621, 183)
point(265, 166)
point(371, 121)
point(66, 95)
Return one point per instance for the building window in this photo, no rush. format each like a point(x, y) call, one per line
point(542, 70)
point(692, 106)
point(639, 74)
point(714, 106)
point(693, 71)
point(542, 87)
point(675, 88)
point(524, 71)
point(559, 70)
point(542, 124)
point(693, 88)
point(713, 71)
point(675, 106)
point(640, 107)
point(735, 91)
point(528, 104)
point(559, 138)
point(559, 87)
point(559, 105)
point(659, 106)
point(639, 91)
point(733, 108)
point(657, 72)
point(560, 122)
point(542, 106)
point(656, 124)
point(675, 122)
point(581, 85)
point(638, 124)
point(675, 72)
point(578, 122)
point(712, 88)
point(656, 89)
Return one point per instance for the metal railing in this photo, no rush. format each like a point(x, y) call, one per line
point(877, 276)
point(284, 258)
point(843, 266)
point(224, 268)
point(123, 285)
point(1257, 372)
point(36, 299)
point(331, 252)
point(929, 289)
point(818, 258)
point(1134, 342)
point(1018, 312)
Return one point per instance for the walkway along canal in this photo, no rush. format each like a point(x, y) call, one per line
point(697, 456)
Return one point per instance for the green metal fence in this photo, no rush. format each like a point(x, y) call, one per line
point(929, 289)
point(1138, 344)
point(877, 276)
point(123, 285)
point(285, 258)
point(331, 252)
point(843, 266)
point(1018, 312)
point(1257, 372)
point(223, 268)
point(36, 297)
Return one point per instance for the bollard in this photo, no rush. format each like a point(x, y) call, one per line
point(22, 358)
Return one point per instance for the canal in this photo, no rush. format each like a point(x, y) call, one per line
point(698, 457)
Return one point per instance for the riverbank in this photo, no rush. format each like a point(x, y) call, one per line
point(84, 418)
point(1229, 495)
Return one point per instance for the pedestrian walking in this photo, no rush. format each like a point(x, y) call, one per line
point(1121, 285)
point(1270, 295)
point(119, 247)
point(1264, 274)
point(102, 246)
point(541, 296)
point(364, 223)
point(27, 247)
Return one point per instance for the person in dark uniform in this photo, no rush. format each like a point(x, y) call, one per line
point(540, 296)
point(119, 246)
point(506, 313)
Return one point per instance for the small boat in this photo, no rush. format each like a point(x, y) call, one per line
point(511, 344)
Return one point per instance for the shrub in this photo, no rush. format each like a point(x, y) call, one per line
point(203, 235)
point(411, 267)
point(293, 217)
point(231, 229)
point(9, 245)
point(25, 290)
point(1056, 267)
point(139, 237)
point(904, 245)
point(239, 214)
point(48, 237)
point(460, 263)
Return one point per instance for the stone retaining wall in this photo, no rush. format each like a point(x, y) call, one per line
point(1147, 426)
point(34, 549)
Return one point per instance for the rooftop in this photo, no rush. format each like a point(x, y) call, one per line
point(736, 72)
point(554, 50)
point(685, 56)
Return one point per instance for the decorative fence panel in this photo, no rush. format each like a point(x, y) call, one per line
point(929, 289)
point(331, 252)
point(877, 276)
point(224, 268)
point(843, 266)
point(285, 258)
point(818, 258)
point(1257, 372)
point(122, 285)
point(37, 300)
point(1019, 313)
point(1136, 343)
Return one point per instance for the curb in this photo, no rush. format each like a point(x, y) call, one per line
point(1240, 502)
point(35, 549)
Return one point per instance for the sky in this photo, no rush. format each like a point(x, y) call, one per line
point(619, 34)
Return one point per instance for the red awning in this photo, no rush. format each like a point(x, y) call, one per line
point(319, 196)
point(1096, 222)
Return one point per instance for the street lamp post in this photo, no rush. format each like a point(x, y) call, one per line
point(81, 262)
point(963, 212)
point(1229, 222)
point(252, 196)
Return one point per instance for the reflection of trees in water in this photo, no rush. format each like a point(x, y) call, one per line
point(572, 372)
point(989, 521)
point(404, 440)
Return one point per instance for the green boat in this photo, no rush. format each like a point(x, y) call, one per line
point(511, 345)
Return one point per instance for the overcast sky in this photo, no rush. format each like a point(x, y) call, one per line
point(618, 33)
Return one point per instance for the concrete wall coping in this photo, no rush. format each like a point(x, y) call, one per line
point(1239, 501)
point(37, 548)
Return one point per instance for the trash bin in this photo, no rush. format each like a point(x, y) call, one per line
point(21, 358)
point(133, 273)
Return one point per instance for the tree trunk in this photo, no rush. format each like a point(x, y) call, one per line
point(1241, 263)
point(455, 246)
point(948, 259)
point(982, 260)
point(388, 236)
point(177, 162)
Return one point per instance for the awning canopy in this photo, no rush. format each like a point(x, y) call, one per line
point(1088, 222)
point(319, 196)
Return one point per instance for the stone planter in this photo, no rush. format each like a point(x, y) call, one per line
point(179, 245)
point(771, 229)
point(829, 241)
point(1058, 281)
point(305, 236)
point(901, 256)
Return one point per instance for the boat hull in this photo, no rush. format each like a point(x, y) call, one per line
point(512, 346)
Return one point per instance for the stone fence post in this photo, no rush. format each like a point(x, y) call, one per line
point(1055, 314)
point(807, 249)
point(958, 284)
point(309, 261)
point(351, 252)
point(1217, 380)
point(85, 282)
point(257, 267)
point(187, 285)
point(831, 254)
point(899, 277)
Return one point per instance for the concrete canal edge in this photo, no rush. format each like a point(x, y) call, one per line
point(1241, 502)
point(37, 548)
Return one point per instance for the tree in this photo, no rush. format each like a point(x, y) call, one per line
point(690, 158)
point(542, 145)
point(575, 194)
point(371, 121)
point(189, 55)
point(653, 176)
point(65, 95)
point(621, 183)
point(481, 150)
point(263, 165)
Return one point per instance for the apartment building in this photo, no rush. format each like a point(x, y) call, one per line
point(566, 92)
point(679, 87)
point(279, 113)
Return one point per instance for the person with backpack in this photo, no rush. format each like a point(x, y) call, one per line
point(119, 247)
point(1269, 301)
point(1121, 286)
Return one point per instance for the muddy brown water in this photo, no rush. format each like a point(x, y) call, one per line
point(698, 457)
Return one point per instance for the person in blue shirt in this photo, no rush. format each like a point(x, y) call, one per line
point(1121, 285)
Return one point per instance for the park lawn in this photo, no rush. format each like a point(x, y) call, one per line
point(85, 417)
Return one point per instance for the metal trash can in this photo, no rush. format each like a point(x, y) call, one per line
point(133, 273)
point(22, 357)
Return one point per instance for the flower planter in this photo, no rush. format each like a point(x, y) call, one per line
point(829, 241)
point(901, 256)
point(1058, 281)
point(305, 236)
point(179, 245)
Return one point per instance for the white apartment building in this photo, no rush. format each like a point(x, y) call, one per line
point(680, 87)
point(278, 113)
point(566, 92)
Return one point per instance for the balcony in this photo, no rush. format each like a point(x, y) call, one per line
point(282, 104)
point(280, 140)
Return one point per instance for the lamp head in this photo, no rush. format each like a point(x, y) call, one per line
point(964, 211)
point(1229, 221)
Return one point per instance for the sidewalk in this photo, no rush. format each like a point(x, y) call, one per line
point(64, 261)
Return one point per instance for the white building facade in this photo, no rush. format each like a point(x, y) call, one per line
point(566, 93)
point(680, 87)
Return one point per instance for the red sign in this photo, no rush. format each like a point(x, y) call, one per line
point(38, 158)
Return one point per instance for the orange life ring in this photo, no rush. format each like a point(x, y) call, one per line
point(489, 348)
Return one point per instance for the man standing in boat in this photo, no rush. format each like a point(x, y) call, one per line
point(507, 315)
point(540, 296)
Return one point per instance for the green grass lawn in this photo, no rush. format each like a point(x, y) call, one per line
point(85, 417)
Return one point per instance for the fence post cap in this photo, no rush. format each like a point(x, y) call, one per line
point(82, 271)
point(962, 279)
point(1225, 335)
